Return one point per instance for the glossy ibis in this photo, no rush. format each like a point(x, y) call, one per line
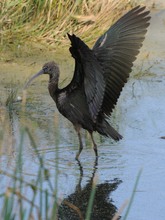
point(99, 76)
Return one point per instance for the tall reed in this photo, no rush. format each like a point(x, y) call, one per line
point(49, 21)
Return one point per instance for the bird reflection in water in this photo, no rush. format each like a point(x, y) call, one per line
point(75, 206)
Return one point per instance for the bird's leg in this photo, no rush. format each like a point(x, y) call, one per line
point(94, 144)
point(77, 128)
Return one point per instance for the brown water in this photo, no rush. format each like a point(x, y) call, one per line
point(139, 116)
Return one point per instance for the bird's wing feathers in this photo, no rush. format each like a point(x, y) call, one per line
point(116, 50)
point(88, 73)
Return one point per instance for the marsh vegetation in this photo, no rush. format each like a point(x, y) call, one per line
point(49, 21)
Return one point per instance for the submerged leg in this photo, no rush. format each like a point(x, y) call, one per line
point(78, 128)
point(94, 144)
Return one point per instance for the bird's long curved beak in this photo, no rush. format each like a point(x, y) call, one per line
point(32, 78)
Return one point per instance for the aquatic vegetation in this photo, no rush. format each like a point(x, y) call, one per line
point(15, 196)
point(12, 97)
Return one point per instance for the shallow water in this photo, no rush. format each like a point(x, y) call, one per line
point(139, 116)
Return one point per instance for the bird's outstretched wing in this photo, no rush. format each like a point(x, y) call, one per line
point(88, 74)
point(116, 50)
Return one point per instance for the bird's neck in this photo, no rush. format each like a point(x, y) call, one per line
point(53, 86)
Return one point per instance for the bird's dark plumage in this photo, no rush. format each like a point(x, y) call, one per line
point(99, 76)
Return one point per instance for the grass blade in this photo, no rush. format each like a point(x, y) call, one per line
point(91, 200)
point(133, 195)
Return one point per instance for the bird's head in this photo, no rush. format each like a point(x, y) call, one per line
point(50, 68)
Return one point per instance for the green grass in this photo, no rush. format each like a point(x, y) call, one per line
point(49, 21)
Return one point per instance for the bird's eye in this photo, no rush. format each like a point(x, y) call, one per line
point(46, 69)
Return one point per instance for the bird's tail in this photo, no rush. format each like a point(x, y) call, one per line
point(106, 129)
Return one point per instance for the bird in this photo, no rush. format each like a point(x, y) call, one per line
point(99, 76)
